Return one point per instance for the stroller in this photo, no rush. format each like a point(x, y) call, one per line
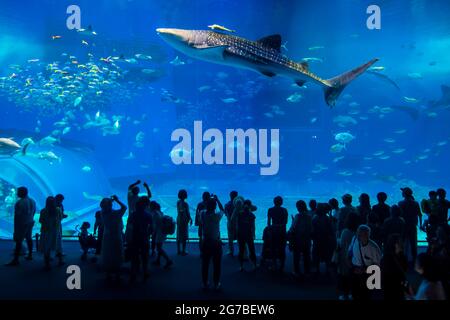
point(87, 240)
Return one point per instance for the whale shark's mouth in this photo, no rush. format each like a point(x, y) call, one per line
point(172, 34)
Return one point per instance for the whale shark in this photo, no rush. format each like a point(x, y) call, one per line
point(263, 56)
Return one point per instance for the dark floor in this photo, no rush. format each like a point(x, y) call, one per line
point(182, 281)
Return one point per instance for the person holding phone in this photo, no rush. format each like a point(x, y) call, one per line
point(112, 244)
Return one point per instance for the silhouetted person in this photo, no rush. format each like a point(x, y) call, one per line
point(50, 220)
point(364, 208)
point(334, 204)
point(323, 236)
point(112, 245)
point(24, 211)
point(343, 263)
point(246, 233)
point(344, 212)
point(183, 221)
point(209, 222)
point(412, 215)
point(59, 199)
point(394, 266)
point(376, 232)
point(301, 232)
point(231, 223)
point(133, 195)
point(200, 207)
point(363, 252)
point(395, 224)
point(132, 198)
point(430, 207)
point(140, 222)
point(160, 236)
point(312, 207)
point(431, 287)
point(277, 219)
point(381, 209)
point(443, 206)
point(99, 227)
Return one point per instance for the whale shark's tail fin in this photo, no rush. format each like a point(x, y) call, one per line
point(335, 85)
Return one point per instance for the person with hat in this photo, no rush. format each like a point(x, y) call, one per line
point(412, 215)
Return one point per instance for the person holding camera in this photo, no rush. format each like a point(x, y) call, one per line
point(211, 248)
point(112, 244)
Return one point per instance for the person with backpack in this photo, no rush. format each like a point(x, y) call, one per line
point(160, 233)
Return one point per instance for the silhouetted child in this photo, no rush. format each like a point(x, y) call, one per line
point(87, 241)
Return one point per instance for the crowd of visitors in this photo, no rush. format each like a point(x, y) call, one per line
point(344, 240)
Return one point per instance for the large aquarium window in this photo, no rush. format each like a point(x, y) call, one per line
point(98, 95)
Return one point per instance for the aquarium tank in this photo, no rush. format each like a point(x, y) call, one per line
point(95, 95)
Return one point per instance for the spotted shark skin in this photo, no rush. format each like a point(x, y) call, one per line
point(263, 56)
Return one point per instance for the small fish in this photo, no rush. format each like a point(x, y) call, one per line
point(415, 75)
point(86, 169)
point(141, 56)
point(33, 60)
point(312, 59)
point(219, 27)
point(77, 101)
point(379, 68)
point(315, 48)
point(66, 130)
point(84, 42)
point(56, 37)
point(337, 148)
point(203, 88)
point(313, 120)
point(294, 98)
point(229, 100)
point(411, 100)
point(399, 150)
point(177, 62)
point(389, 140)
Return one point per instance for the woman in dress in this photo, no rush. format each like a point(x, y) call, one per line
point(112, 244)
point(183, 221)
point(50, 220)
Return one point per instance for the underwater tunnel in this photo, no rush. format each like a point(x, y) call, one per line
point(73, 173)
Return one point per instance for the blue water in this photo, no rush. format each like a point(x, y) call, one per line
point(400, 139)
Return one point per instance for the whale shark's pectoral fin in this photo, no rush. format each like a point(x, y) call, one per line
point(268, 73)
point(300, 83)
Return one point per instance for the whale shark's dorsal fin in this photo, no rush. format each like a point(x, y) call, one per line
point(272, 41)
